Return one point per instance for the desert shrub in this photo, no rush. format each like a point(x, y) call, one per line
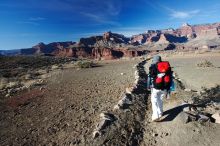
point(84, 64)
point(205, 63)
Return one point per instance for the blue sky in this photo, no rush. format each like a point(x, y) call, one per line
point(24, 23)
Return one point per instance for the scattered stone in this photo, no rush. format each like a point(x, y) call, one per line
point(203, 118)
point(106, 119)
point(136, 73)
point(12, 84)
point(116, 107)
point(17, 89)
point(125, 100)
point(10, 91)
point(188, 90)
point(42, 88)
point(29, 83)
point(186, 107)
point(155, 134)
point(7, 95)
point(28, 77)
point(136, 81)
point(54, 67)
point(74, 142)
point(136, 77)
point(122, 74)
point(107, 116)
point(40, 81)
point(202, 92)
point(179, 79)
point(3, 83)
point(102, 124)
point(61, 100)
point(129, 90)
point(200, 108)
point(96, 134)
point(216, 104)
point(216, 116)
point(190, 101)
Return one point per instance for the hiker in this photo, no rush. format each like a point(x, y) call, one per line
point(159, 82)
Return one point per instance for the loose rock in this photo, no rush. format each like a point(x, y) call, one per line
point(203, 118)
point(216, 116)
point(96, 134)
point(188, 90)
point(183, 117)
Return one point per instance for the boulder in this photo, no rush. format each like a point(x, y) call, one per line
point(203, 118)
point(102, 124)
point(216, 116)
point(105, 120)
point(187, 108)
point(183, 118)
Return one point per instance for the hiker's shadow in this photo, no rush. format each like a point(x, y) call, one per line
point(173, 113)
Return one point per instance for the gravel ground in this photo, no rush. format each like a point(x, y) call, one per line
point(66, 110)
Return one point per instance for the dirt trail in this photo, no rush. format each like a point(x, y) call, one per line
point(128, 129)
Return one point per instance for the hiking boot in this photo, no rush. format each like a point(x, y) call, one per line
point(157, 119)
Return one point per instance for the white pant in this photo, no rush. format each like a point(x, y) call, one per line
point(157, 102)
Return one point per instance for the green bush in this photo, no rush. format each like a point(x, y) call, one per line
point(84, 64)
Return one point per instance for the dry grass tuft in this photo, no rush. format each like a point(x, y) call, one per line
point(205, 63)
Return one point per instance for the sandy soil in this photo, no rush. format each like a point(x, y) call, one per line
point(194, 77)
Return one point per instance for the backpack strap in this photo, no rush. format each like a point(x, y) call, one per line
point(153, 70)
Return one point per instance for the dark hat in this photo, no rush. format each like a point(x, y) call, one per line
point(156, 59)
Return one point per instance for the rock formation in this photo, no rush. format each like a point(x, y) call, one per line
point(112, 45)
point(51, 48)
point(199, 30)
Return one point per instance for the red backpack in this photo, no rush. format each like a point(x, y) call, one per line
point(163, 78)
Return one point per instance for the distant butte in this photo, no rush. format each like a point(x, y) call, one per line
point(112, 45)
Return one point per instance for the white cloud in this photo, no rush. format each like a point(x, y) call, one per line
point(32, 21)
point(101, 19)
point(28, 22)
point(183, 14)
point(130, 31)
point(36, 18)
